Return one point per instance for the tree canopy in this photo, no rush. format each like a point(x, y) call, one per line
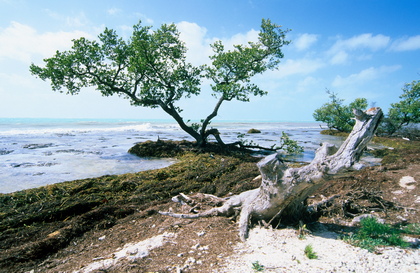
point(150, 69)
point(404, 112)
point(337, 115)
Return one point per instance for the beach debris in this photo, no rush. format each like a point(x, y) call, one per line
point(130, 251)
point(284, 189)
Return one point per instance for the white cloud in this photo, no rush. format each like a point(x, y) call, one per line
point(339, 57)
point(22, 42)
point(307, 84)
point(194, 37)
point(144, 18)
point(362, 41)
point(79, 20)
point(411, 43)
point(339, 52)
point(113, 11)
point(305, 41)
point(240, 38)
point(364, 75)
point(294, 67)
point(198, 44)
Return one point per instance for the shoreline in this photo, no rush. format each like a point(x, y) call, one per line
point(40, 154)
point(64, 227)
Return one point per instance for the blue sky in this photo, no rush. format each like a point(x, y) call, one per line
point(358, 48)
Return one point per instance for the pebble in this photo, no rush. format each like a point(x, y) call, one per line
point(334, 255)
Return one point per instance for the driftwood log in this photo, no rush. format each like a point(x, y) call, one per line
point(284, 191)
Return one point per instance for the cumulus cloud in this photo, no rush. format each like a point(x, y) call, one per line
point(198, 44)
point(305, 41)
point(365, 75)
point(22, 42)
point(241, 38)
point(362, 41)
point(339, 52)
point(194, 37)
point(411, 43)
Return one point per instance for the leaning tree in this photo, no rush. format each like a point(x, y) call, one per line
point(150, 69)
point(283, 189)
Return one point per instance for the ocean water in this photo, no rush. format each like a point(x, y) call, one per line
point(38, 152)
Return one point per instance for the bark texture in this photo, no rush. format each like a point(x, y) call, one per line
point(284, 190)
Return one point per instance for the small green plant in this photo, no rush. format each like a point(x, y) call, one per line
point(413, 229)
point(256, 266)
point(373, 234)
point(310, 253)
point(302, 231)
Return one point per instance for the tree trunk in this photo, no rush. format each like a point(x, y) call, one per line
point(284, 190)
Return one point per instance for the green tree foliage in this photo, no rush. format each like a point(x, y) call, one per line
point(337, 115)
point(404, 112)
point(150, 69)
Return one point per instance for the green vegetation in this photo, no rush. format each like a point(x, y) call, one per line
point(310, 253)
point(400, 151)
point(150, 69)
point(58, 213)
point(286, 144)
point(412, 229)
point(337, 115)
point(256, 266)
point(404, 112)
point(373, 234)
point(302, 231)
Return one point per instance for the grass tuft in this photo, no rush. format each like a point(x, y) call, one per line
point(256, 266)
point(310, 253)
point(373, 234)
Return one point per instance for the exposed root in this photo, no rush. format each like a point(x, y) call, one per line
point(230, 206)
point(284, 190)
point(315, 207)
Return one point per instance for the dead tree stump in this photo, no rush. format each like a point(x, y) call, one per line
point(284, 190)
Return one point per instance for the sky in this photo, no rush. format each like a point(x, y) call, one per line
point(355, 48)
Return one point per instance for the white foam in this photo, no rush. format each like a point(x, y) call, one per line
point(138, 127)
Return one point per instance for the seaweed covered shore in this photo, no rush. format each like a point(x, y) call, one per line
point(57, 228)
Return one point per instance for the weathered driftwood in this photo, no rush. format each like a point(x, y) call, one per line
point(283, 190)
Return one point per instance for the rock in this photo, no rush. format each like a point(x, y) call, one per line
point(254, 131)
point(356, 220)
point(130, 252)
point(37, 146)
point(5, 151)
point(408, 182)
point(358, 166)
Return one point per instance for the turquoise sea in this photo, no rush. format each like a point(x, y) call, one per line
point(37, 152)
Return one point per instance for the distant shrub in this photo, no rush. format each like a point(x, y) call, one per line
point(337, 115)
